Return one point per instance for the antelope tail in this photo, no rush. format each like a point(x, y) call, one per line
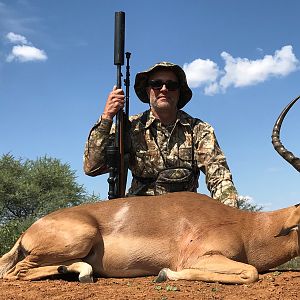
point(287, 155)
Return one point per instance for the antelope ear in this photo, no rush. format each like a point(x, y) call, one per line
point(292, 222)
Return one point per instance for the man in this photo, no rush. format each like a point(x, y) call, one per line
point(167, 147)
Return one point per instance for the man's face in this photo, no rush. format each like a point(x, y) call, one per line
point(161, 97)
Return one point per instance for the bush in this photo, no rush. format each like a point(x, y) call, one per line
point(30, 189)
point(244, 203)
point(293, 264)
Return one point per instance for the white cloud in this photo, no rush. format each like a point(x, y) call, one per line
point(212, 89)
point(244, 72)
point(11, 23)
point(200, 72)
point(16, 38)
point(239, 72)
point(25, 53)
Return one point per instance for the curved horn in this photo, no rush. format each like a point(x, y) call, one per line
point(287, 155)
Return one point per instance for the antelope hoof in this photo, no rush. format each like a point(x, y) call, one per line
point(162, 276)
point(86, 279)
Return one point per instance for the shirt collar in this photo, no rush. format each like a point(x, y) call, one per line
point(182, 118)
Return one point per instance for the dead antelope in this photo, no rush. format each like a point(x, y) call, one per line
point(175, 236)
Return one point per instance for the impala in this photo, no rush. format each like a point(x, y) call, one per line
point(180, 235)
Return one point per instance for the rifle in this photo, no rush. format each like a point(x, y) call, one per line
point(116, 159)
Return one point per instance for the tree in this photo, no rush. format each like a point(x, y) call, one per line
point(30, 189)
point(244, 203)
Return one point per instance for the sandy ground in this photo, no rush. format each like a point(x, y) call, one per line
point(271, 285)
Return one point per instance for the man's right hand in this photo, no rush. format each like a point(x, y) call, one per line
point(115, 102)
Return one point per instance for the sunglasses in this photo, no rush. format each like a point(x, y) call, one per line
point(158, 84)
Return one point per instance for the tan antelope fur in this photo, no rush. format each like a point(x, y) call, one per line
point(175, 236)
point(180, 235)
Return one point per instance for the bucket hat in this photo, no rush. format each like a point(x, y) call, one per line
point(141, 83)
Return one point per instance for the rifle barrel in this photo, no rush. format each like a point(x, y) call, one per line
point(119, 38)
point(119, 139)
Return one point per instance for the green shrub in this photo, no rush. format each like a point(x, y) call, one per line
point(30, 189)
point(293, 264)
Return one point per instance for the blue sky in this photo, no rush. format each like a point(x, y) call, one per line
point(241, 57)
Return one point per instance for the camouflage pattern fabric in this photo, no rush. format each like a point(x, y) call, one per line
point(154, 147)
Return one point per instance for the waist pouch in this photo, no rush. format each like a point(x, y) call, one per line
point(175, 180)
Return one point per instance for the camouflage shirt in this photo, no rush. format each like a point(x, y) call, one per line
point(154, 147)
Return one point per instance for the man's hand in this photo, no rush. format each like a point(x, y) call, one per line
point(115, 102)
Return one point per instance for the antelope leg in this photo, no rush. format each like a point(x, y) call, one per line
point(213, 268)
